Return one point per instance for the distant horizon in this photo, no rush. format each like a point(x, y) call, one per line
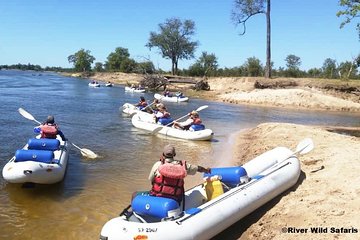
point(46, 33)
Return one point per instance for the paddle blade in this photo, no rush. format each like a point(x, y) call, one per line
point(27, 115)
point(202, 108)
point(88, 153)
point(156, 130)
point(305, 146)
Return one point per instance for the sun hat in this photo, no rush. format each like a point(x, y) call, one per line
point(169, 151)
point(194, 113)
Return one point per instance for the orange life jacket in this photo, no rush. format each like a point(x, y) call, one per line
point(170, 182)
point(49, 131)
point(197, 121)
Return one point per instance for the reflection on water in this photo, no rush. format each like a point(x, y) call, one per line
point(94, 191)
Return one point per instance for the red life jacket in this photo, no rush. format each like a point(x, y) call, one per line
point(48, 131)
point(170, 182)
point(143, 104)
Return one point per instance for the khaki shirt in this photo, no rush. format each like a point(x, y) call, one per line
point(191, 169)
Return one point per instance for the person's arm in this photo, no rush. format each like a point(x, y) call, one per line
point(193, 169)
point(203, 170)
point(153, 171)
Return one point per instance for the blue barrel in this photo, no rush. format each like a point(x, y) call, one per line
point(165, 121)
point(197, 127)
point(229, 175)
point(44, 144)
point(34, 155)
point(153, 206)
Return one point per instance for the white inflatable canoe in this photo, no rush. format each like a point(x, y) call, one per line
point(134, 90)
point(41, 161)
point(210, 207)
point(146, 122)
point(171, 99)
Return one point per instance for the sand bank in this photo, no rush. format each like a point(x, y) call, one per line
point(326, 195)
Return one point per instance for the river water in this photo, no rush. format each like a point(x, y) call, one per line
point(94, 191)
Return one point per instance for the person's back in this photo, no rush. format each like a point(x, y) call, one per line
point(49, 129)
point(167, 175)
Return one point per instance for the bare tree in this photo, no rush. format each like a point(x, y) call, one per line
point(243, 11)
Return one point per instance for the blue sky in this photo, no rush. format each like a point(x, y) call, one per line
point(46, 32)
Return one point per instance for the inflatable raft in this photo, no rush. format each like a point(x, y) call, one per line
point(134, 90)
point(94, 84)
point(41, 160)
point(227, 195)
point(171, 99)
point(130, 109)
point(146, 122)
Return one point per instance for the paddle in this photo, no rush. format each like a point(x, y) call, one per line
point(305, 146)
point(198, 110)
point(85, 152)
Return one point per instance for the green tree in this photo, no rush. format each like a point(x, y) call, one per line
point(253, 67)
point(128, 65)
point(292, 63)
point(347, 70)
point(99, 67)
point(206, 65)
point(351, 11)
point(115, 59)
point(174, 41)
point(314, 72)
point(244, 10)
point(329, 68)
point(81, 60)
point(145, 67)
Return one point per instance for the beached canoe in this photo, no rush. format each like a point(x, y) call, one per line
point(226, 196)
point(41, 160)
point(171, 99)
point(146, 122)
point(134, 90)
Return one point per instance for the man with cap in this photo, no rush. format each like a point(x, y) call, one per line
point(167, 175)
point(49, 129)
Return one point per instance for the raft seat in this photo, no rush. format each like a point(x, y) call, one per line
point(43, 156)
point(230, 176)
point(158, 207)
point(165, 121)
point(43, 144)
point(197, 127)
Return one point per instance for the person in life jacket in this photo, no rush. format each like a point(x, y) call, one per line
point(167, 93)
point(194, 119)
point(167, 175)
point(49, 129)
point(162, 113)
point(142, 103)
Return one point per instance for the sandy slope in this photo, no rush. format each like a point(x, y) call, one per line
point(326, 195)
point(241, 90)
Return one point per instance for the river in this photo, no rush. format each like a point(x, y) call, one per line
point(94, 191)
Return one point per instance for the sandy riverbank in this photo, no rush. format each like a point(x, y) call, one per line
point(314, 94)
point(326, 195)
